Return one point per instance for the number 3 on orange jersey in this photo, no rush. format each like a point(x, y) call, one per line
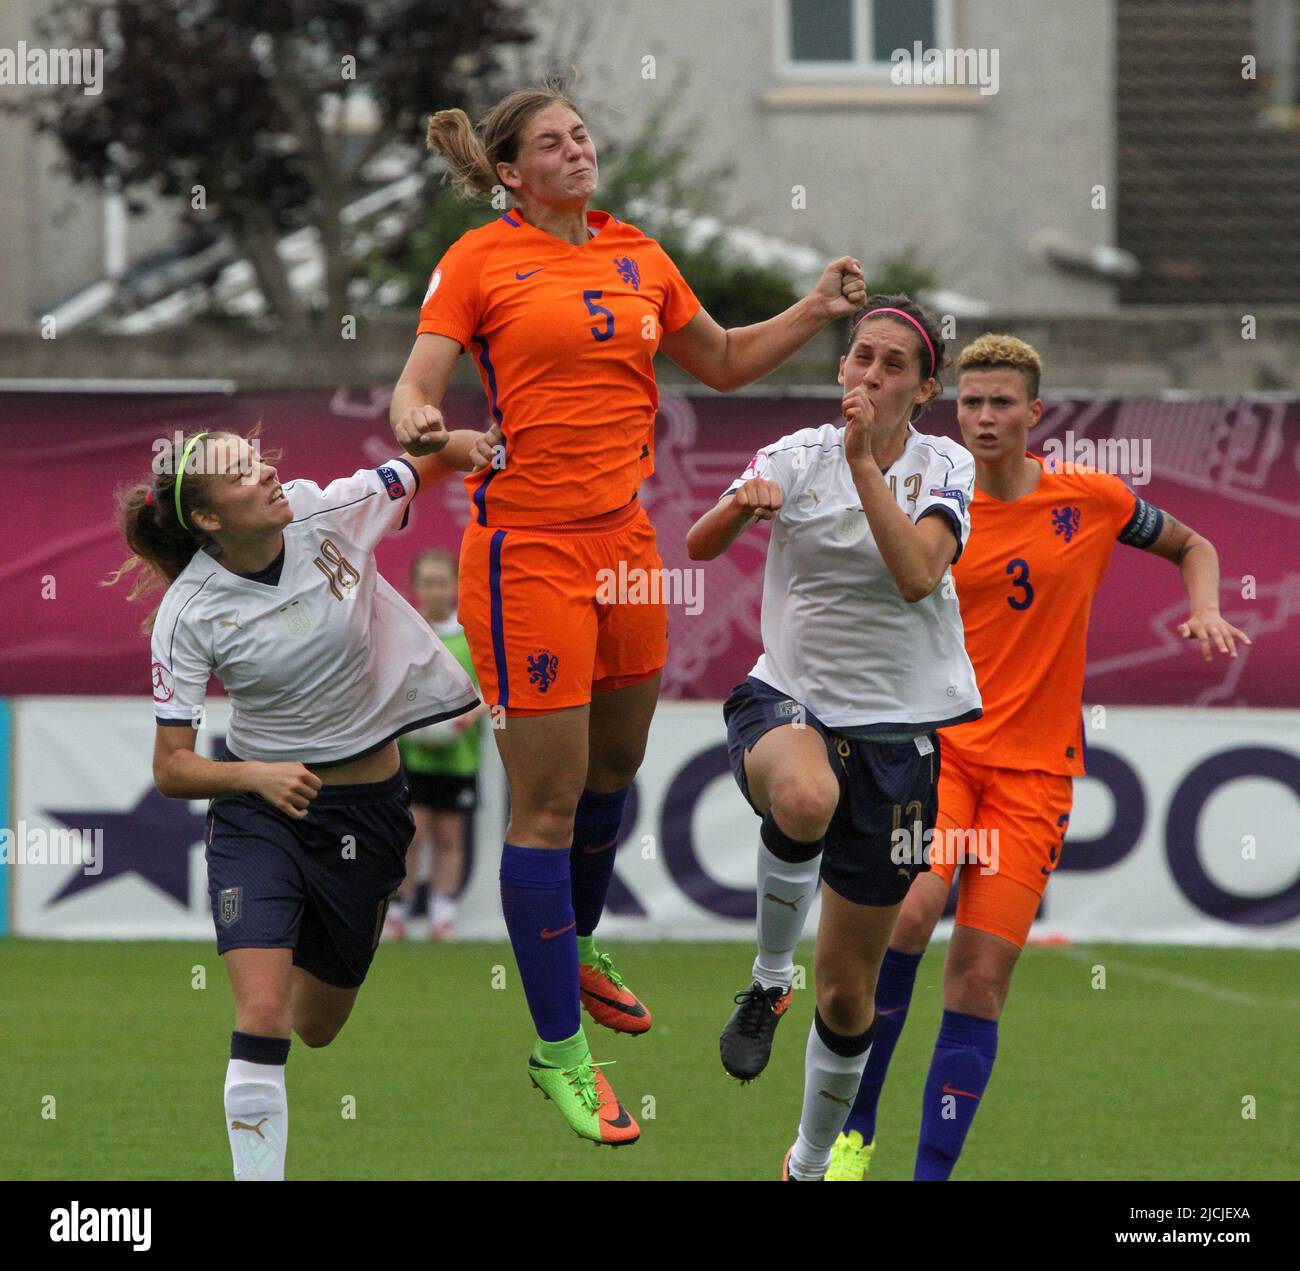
point(1020, 568)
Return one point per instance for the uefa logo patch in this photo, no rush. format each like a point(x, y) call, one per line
point(164, 688)
point(228, 906)
point(392, 482)
point(434, 279)
point(955, 493)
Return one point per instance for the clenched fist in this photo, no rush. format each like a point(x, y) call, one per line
point(860, 423)
point(841, 290)
point(761, 499)
point(482, 452)
point(420, 431)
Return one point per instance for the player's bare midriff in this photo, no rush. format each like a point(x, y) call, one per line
point(377, 767)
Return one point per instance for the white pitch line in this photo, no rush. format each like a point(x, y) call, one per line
point(1202, 988)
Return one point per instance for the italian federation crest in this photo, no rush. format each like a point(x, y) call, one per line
point(851, 526)
point(228, 905)
point(295, 618)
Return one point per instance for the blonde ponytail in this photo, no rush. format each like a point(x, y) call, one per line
point(452, 136)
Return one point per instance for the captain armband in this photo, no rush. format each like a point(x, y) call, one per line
point(1144, 525)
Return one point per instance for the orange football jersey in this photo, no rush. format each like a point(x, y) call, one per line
point(564, 337)
point(1026, 584)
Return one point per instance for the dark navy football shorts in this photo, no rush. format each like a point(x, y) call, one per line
point(884, 786)
point(319, 886)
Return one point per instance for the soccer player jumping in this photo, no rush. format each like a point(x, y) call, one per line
point(1041, 540)
point(563, 308)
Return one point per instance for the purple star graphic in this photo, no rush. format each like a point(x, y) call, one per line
point(152, 839)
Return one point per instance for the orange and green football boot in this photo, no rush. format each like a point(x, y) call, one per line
point(586, 1100)
point(608, 1000)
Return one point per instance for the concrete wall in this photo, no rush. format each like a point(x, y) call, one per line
point(965, 181)
point(1135, 350)
point(15, 229)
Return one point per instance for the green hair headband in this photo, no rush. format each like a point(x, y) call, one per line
point(180, 472)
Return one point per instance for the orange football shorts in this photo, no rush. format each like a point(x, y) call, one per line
point(1004, 829)
point(556, 613)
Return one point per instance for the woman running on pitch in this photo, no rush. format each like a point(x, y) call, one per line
point(563, 309)
point(832, 735)
point(1044, 542)
point(274, 590)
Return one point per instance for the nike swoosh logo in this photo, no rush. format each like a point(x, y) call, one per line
point(548, 934)
point(636, 1012)
point(893, 1010)
point(826, 1094)
point(530, 273)
point(595, 849)
point(622, 1121)
point(947, 1089)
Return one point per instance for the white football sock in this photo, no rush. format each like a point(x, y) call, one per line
point(442, 908)
point(257, 1120)
point(785, 892)
point(830, 1084)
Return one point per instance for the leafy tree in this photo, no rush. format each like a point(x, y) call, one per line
point(240, 108)
point(902, 272)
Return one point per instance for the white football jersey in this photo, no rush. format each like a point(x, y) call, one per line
point(837, 634)
point(326, 665)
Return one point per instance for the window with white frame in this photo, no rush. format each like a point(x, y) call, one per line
point(1275, 28)
point(855, 37)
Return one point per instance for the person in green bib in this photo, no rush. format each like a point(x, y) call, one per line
point(441, 762)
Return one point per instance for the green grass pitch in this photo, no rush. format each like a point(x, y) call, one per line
point(1144, 1079)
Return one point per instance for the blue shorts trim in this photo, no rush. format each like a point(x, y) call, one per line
point(498, 617)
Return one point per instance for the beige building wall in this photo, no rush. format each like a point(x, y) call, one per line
point(53, 231)
point(966, 182)
point(15, 229)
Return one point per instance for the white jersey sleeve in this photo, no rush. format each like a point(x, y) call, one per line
point(785, 462)
point(181, 665)
point(948, 487)
point(370, 503)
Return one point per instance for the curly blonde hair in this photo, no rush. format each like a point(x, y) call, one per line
point(1003, 352)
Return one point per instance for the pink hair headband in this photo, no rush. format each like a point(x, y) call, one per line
point(914, 322)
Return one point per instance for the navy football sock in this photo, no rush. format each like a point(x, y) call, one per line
point(595, 832)
point(893, 996)
point(538, 908)
point(963, 1059)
